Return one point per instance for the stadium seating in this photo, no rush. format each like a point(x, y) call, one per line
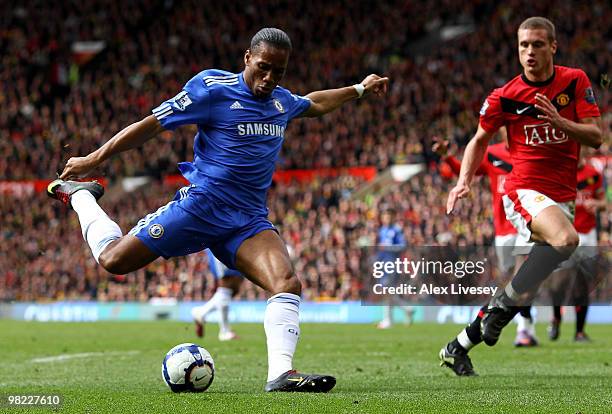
point(54, 108)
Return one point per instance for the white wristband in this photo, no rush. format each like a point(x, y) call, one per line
point(359, 88)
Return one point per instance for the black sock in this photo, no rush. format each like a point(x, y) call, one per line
point(455, 347)
point(540, 263)
point(525, 312)
point(473, 329)
point(581, 314)
point(557, 313)
point(473, 333)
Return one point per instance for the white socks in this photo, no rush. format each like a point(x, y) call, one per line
point(220, 301)
point(525, 324)
point(97, 228)
point(281, 323)
point(464, 340)
point(388, 315)
point(224, 297)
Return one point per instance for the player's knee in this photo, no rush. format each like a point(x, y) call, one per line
point(566, 241)
point(287, 283)
point(113, 262)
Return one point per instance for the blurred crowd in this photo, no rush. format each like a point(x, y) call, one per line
point(330, 235)
point(54, 108)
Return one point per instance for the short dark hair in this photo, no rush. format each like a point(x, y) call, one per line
point(538, 22)
point(271, 36)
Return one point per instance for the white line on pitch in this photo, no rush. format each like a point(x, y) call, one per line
point(65, 357)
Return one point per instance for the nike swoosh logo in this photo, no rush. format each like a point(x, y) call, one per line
point(497, 163)
point(199, 379)
point(520, 111)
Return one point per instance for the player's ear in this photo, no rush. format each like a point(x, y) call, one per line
point(553, 47)
point(247, 57)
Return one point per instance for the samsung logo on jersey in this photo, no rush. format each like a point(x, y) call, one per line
point(258, 128)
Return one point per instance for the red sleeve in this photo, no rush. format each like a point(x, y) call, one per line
point(454, 164)
point(586, 106)
point(491, 114)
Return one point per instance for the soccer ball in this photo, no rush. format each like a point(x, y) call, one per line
point(188, 367)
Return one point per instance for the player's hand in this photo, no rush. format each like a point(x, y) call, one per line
point(375, 84)
point(440, 146)
point(77, 167)
point(458, 192)
point(549, 112)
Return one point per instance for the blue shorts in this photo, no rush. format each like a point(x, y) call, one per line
point(194, 221)
point(218, 269)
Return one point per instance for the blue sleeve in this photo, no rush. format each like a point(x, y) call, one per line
point(297, 105)
point(190, 106)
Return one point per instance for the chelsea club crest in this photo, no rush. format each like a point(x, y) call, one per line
point(156, 231)
point(279, 106)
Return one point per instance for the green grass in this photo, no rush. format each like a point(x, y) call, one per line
point(378, 371)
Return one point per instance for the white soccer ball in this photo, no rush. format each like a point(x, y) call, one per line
point(188, 367)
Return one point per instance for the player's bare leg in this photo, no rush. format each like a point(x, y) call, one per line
point(556, 239)
point(126, 255)
point(118, 254)
point(264, 260)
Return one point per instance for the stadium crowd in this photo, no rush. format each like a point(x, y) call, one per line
point(54, 108)
point(328, 232)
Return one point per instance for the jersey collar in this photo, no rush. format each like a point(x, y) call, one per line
point(540, 83)
point(243, 84)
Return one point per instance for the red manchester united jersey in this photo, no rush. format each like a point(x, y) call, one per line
point(496, 165)
point(544, 159)
point(590, 187)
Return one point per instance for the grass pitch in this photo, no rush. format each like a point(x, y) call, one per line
point(115, 368)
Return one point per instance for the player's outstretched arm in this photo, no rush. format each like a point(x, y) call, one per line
point(472, 158)
point(327, 100)
point(129, 137)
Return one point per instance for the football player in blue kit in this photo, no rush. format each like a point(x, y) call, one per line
point(241, 120)
point(228, 284)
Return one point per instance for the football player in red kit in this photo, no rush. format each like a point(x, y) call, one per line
point(548, 111)
point(496, 165)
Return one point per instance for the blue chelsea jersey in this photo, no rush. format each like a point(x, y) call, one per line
point(239, 135)
point(391, 236)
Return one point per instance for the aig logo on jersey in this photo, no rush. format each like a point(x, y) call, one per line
point(182, 100)
point(278, 106)
point(156, 231)
point(543, 134)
